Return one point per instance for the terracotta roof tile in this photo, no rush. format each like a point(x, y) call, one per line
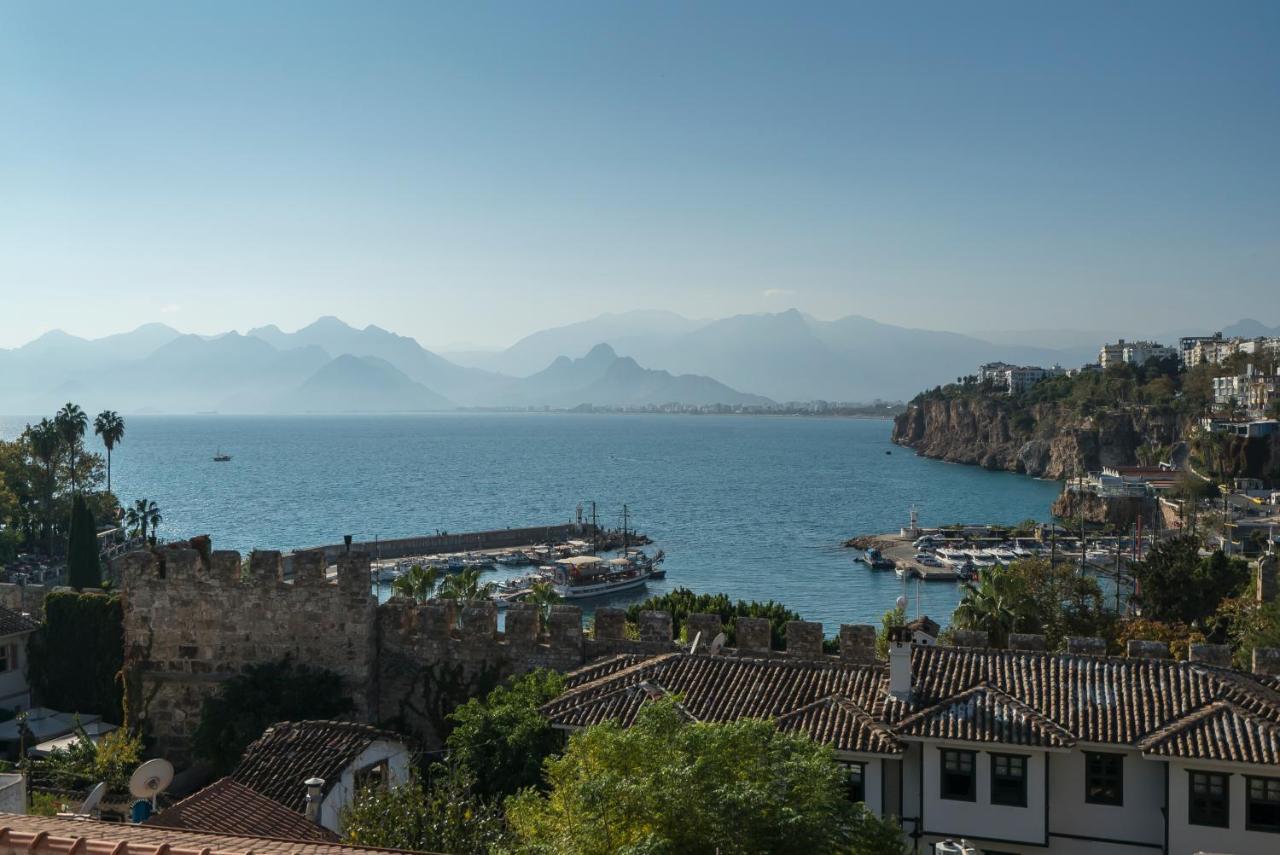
point(1005, 696)
point(985, 714)
point(50, 835)
point(12, 623)
point(231, 808)
point(1220, 731)
point(289, 753)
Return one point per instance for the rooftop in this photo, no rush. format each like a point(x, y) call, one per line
point(1021, 697)
point(289, 753)
point(49, 835)
point(15, 623)
point(232, 808)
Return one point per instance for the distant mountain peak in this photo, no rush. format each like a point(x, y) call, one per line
point(601, 351)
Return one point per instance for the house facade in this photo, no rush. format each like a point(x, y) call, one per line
point(15, 631)
point(1017, 751)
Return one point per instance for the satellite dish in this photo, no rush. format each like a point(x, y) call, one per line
point(95, 798)
point(717, 643)
point(901, 602)
point(697, 640)
point(151, 778)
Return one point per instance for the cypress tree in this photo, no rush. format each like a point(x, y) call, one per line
point(83, 567)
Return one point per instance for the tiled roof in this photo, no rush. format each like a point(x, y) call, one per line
point(291, 752)
point(839, 721)
point(1220, 731)
point(984, 714)
point(602, 667)
point(50, 835)
point(714, 688)
point(12, 623)
point(1030, 698)
point(232, 808)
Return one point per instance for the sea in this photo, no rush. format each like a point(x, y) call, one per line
point(756, 507)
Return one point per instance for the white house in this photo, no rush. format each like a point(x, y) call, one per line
point(15, 630)
point(1018, 751)
point(1132, 353)
point(296, 780)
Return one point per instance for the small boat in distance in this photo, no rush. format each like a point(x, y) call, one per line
point(220, 457)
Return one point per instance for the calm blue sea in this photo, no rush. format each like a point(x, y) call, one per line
point(752, 506)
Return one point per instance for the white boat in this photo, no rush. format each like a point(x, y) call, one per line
point(953, 556)
point(582, 576)
point(981, 558)
point(1004, 555)
point(512, 559)
point(900, 570)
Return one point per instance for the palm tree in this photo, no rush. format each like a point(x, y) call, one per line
point(419, 583)
point(46, 442)
point(72, 423)
point(544, 596)
point(988, 606)
point(465, 587)
point(110, 427)
point(143, 515)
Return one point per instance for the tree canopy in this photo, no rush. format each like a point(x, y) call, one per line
point(1032, 596)
point(667, 784)
point(1177, 585)
point(683, 602)
point(502, 740)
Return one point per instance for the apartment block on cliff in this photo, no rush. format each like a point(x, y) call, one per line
point(1019, 751)
point(1134, 353)
point(1016, 379)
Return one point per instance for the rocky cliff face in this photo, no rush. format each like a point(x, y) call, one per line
point(1045, 440)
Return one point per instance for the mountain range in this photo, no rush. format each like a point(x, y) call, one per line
point(630, 359)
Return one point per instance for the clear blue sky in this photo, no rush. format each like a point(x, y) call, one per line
point(471, 172)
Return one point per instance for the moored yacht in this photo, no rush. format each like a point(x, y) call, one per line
point(581, 576)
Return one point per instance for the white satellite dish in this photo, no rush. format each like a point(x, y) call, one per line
point(697, 640)
point(717, 643)
point(95, 798)
point(151, 778)
point(901, 602)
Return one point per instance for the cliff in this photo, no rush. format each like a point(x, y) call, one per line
point(1045, 440)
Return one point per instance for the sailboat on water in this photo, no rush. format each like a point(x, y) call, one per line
point(220, 457)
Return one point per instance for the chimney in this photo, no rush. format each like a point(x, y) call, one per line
point(312, 810)
point(1267, 583)
point(900, 662)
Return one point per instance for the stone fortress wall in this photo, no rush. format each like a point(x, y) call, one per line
point(194, 619)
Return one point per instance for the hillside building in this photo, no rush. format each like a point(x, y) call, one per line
point(1134, 353)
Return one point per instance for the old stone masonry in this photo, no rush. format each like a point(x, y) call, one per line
point(195, 618)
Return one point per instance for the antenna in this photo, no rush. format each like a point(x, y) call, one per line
point(717, 643)
point(151, 778)
point(95, 798)
point(697, 640)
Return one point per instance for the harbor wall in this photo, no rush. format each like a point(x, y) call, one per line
point(503, 538)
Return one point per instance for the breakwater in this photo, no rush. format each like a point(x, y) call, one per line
point(436, 544)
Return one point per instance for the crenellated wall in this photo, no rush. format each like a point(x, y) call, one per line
point(194, 619)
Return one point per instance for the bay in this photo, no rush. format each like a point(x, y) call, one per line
point(755, 507)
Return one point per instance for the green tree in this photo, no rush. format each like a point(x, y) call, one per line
point(990, 605)
point(77, 654)
point(542, 595)
point(683, 602)
point(896, 616)
point(72, 424)
point(247, 704)
point(466, 587)
point(503, 739)
point(110, 427)
point(1175, 584)
point(45, 442)
point(667, 784)
point(84, 569)
point(417, 583)
point(444, 816)
point(143, 515)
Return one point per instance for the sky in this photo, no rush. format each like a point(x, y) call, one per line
point(468, 173)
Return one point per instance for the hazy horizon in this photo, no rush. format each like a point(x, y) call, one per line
point(469, 174)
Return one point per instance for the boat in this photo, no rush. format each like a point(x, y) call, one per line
point(579, 577)
point(512, 559)
point(220, 457)
point(901, 571)
point(966, 571)
point(954, 557)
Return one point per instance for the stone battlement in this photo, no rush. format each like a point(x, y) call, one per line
point(178, 566)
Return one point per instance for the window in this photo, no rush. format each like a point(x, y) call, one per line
point(1009, 780)
point(957, 775)
point(1103, 778)
point(856, 782)
point(372, 777)
point(1209, 799)
point(1262, 804)
point(5, 658)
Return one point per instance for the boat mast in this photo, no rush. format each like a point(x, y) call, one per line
point(625, 544)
